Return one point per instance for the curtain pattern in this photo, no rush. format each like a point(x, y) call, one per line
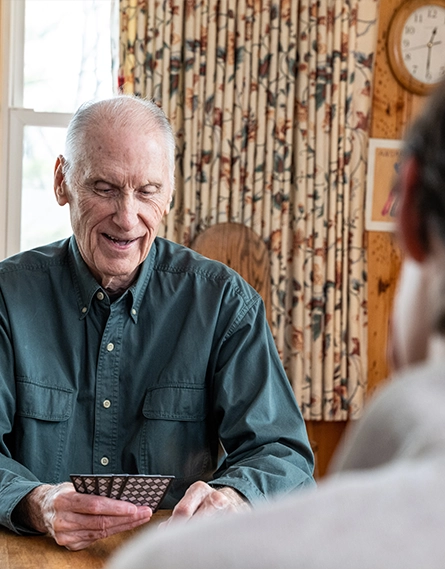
point(270, 101)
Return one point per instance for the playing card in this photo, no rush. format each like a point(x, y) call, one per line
point(139, 489)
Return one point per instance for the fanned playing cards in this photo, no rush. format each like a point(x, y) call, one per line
point(139, 489)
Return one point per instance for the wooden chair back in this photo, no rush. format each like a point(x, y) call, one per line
point(239, 247)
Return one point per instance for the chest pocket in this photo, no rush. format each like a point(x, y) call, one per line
point(175, 438)
point(37, 401)
point(41, 426)
point(176, 403)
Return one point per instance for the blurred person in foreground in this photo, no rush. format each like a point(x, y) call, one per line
point(383, 504)
point(122, 352)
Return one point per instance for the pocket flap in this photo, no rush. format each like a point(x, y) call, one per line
point(42, 402)
point(175, 403)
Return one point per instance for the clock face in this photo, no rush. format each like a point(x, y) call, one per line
point(416, 44)
point(422, 43)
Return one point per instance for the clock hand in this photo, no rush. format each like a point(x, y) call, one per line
point(422, 46)
point(428, 60)
point(415, 47)
point(430, 43)
point(430, 47)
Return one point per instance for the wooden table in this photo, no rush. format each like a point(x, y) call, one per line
point(42, 552)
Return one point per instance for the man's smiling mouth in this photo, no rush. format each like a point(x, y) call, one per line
point(117, 241)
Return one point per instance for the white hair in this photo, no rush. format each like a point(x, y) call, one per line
point(117, 112)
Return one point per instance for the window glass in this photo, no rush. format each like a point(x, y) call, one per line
point(42, 219)
point(70, 56)
point(69, 50)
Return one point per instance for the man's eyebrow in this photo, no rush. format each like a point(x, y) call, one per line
point(156, 184)
point(96, 179)
point(104, 181)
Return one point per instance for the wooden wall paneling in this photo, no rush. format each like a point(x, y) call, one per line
point(392, 110)
point(384, 261)
point(324, 437)
point(393, 107)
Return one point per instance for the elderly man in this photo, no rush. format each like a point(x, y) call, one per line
point(121, 352)
point(384, 507)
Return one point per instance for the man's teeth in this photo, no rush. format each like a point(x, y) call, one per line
point(121, 241)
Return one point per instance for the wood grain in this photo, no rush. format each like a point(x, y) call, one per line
point(324, 437)
point(241, 249)
point(393, 109)
point(384, 260)
point(42, 552)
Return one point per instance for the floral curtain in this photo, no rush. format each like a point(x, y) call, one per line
point(270, 101)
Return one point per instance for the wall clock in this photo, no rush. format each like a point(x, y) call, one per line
point(416, 44)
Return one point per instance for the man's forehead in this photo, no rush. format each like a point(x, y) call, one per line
point(135, 136)
point(135, 158)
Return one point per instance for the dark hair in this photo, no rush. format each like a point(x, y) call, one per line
point(425, 141)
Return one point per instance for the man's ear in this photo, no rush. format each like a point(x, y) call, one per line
point(169, 204)
point(59, 181)
point(409, 221)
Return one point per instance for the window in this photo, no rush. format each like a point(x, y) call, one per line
point(56, 55)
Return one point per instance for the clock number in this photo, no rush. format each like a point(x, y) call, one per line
point(410, 30)
point(414, 69)
point(407, 57)
point(432, 13)
point(418, 18)
point(442, 71)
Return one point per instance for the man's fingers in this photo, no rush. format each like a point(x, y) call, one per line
point(78, 531)
point(91, 504)
point(192, 500)
point(76, 520)
point(202, 500)
point(71, 521)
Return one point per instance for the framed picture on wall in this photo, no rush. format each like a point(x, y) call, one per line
point(381, 203)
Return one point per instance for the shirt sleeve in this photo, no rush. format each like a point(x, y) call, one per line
point(15, 480)
point(260, 425)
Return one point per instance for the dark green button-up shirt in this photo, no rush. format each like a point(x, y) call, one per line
point(180, 376)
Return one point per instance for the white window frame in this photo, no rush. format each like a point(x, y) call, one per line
point(13, 120)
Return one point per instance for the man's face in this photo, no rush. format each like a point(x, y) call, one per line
point(117, 196)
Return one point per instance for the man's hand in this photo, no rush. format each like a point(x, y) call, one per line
point(203, 500)
point(77, 520)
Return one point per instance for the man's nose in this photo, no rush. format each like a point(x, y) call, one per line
point(126, 214)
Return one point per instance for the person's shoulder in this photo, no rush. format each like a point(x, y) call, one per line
point(38, 258)
point(403, 418)
point(409, 395)
point(175, 258)
point(421, 383)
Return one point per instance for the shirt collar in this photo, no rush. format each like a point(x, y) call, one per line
point(86, 285)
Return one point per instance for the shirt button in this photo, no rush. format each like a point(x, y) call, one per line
point(107, 403)
point(84, 309)
point(104, 461)
point(100, 295)
point(110, 347)
point(134, 311)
